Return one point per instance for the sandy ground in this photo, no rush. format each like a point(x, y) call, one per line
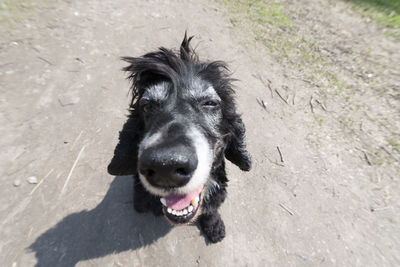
point(329, 201)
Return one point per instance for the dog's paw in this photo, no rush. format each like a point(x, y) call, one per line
point(213, 227)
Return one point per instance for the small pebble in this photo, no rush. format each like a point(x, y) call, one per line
point(32, 180)
point(17, 182)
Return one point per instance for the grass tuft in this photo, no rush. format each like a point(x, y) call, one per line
point(385, 12)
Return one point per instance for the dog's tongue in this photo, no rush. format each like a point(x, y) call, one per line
point(179, 202)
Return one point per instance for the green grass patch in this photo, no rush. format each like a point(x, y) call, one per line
point(270, 24)
point(13, 10)
point(259, 12)
point(265, 19)
point(385, 12)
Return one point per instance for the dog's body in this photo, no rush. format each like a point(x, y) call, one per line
point(182, 123)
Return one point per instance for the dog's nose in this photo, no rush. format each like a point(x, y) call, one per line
point(168, 166)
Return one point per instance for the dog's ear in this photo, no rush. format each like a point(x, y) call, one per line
point(124, 161)
point(217, 73)
point(235, 150)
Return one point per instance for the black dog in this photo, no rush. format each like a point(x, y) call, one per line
point(182, 123)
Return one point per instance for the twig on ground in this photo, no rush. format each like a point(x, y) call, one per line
point(311, 105)
point(274, 162)
point(388, 152)
point(321, 104)
point(80, 60)
point(41, 181)
point(378, 209)
point(262, 103)
point(280, 154)
point(270, 89)
point(286, 88)
point(294, 96)
point(286, 209)
point(365, 155)
point(310, 82)
point(70, 172)
point(258, 76)
point(45, 60)
point(284, 100)
point(64, 105)
point(76, 140)
point(366, 158)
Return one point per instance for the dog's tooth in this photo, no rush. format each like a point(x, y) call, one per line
point(195, 201)
point(185, 212)
point(173, 212)
point(169, 210)
point(179, 213)
point(163, 201)
point(190, 209)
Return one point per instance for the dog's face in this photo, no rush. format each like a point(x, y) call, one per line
point(182, 138)
point(185, 122)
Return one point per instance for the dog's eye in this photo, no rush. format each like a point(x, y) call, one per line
point(146, 107)
point(210, 103)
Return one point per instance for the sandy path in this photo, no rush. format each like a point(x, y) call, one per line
point(63, 100)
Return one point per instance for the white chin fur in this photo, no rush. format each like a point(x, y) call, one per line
point(204, 162)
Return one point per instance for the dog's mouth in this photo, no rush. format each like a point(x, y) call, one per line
point(182, 209)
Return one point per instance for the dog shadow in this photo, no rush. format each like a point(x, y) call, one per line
point(112, 227)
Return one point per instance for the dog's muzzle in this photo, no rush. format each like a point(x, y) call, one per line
point(174, 164)
point(167, 165)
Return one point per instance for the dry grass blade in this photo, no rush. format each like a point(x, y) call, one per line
point(70, 172)
point(321, 104)
point(41, 181)
point(311, 105)
point(280, 154)
point(262, 103)
point(286, 209)
point(280, 96)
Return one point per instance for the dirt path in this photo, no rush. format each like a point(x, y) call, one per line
point(330, 83)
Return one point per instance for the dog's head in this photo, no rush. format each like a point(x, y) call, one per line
point(183, 122)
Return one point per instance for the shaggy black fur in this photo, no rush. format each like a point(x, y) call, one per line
point(178, 68)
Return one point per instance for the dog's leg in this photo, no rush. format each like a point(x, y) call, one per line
point(143, 201)
point(210, 221)
point(213, 226)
